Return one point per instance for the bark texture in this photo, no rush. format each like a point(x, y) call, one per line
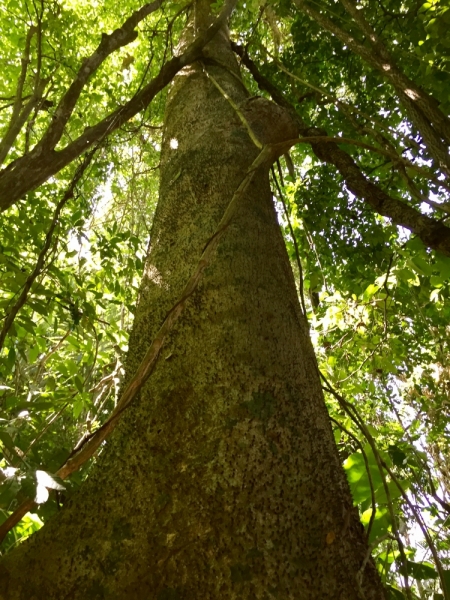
point(222, 480)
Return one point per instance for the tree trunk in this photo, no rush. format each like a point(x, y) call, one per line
point(222, 479)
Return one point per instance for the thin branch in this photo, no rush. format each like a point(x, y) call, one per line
point(421, 108)
point(52, 351)
point(341, 104)
point(353, 414)
point(353, 373)
point(423, 463)
point(423, 528)
point(46, 427)
point(68, 195)
point(372, 546)
point(279, 98)
point(425, 103)
point(122, 36)
point(294, 240)
point(369, 474)
point(25, 60)
point(19, 116)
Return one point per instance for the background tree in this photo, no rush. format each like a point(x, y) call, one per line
point(376, 296)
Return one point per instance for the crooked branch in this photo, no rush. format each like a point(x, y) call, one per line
point(433, 233)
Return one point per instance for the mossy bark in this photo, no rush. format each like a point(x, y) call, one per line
point(222, 480)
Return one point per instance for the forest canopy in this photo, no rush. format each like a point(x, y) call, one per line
point(363, 202)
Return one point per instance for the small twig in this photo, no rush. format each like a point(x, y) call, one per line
point(353, 373)
point(256, 24)
point(374, 544)
point(423, 528)
point(47, 425)
point(294, 239)
point(45, 358)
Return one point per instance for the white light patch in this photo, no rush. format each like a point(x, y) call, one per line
point(154, 275)
point(45, 482)
point(411, 94)
point(174, 143)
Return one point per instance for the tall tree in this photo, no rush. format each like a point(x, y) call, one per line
point(227, 455)
point(221, 475)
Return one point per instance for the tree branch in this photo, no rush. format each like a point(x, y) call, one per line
point(421, 108)
point(9, 320)
point(432, 233)
point(32, 170)
point(425, 103)
point(109, 44)
point(19, 117)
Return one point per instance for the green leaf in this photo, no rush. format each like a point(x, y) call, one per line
point(78, 383)
point(394, 491)
point(443, 266)
point(358, 478)
point(78, 406)
point(380, 525)
point(420, 571)
point(33, 353)
point(395, 593)
point(7, 441)
point(370, 291)
point(421, 266)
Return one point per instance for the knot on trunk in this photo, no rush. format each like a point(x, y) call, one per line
point(272, 124)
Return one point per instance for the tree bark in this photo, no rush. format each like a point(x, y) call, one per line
point(222, 480)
